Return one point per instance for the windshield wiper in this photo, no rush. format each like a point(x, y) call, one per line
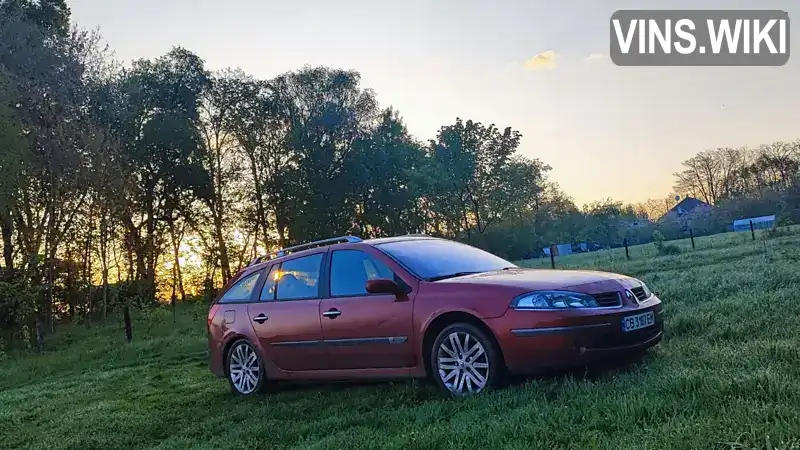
point(452, 275)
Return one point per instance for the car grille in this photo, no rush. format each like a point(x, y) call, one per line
point(607, 299)
point(639, 293)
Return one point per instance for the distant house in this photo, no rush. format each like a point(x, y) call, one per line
point(686, 211)
point(686, 206)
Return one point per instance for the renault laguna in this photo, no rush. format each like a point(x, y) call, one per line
point(417, 306)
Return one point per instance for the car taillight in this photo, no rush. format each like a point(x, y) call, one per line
point(212, 312)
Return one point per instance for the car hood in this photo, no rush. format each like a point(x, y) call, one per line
point(535, 279)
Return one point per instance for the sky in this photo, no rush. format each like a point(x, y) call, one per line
point(540, 67)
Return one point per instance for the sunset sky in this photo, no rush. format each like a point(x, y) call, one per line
point(607, 131)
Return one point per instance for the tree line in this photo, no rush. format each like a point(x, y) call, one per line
point(161, 179)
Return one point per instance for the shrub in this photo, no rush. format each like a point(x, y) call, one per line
point(658, 240)
point(669, 249)
point(17, 313)
point(661, 248)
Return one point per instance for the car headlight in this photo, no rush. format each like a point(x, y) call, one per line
point(554, 300)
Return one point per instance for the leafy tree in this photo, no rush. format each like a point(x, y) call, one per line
point(478, 178)
point(327, 113)
point(161, 161)
point(388, 179)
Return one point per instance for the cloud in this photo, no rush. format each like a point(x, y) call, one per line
point(595, 56)
point(544, 60)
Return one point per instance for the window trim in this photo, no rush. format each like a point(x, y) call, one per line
point(322, 267)
point(257, 288)
point(264, 283)
point(404, 284)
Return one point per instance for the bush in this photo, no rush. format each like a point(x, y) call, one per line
point(17, 313)
point(663, 249)
point(658, 239)
point(776, 232)
point(669, 249)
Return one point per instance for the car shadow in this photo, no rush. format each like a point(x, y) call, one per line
point(599, 371)
point(424, 390)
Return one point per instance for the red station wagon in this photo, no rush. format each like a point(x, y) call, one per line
point(417, 306)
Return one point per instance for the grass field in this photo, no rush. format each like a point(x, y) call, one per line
point(726, 376)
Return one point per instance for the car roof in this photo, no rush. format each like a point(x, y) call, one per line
point(372, 242)
point(409, 237)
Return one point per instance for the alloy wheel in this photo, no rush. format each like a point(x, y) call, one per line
point(463, 364)
point(244, 369)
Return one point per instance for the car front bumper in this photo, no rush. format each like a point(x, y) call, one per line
point(531, 341)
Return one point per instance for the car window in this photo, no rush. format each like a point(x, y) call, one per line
point(268, 291)
point(435, 258)
point(242, 290)
point(350, 270)
point(299, 278)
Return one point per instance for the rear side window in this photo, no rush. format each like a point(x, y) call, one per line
point(299, 278)
point(242, 290)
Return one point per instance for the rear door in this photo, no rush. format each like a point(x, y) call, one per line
point(363, 330)
point(286, 318)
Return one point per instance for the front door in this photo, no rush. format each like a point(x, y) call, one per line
point(286, 318)
point(363, 330)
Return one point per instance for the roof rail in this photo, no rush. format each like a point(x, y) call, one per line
point(297, 248)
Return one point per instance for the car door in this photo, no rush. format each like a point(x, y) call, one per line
point(363, 330)
point(286, 318)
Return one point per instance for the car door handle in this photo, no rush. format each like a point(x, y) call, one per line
point(261, 318)
point(332, 313)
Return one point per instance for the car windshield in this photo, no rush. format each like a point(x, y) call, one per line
point(437, 259)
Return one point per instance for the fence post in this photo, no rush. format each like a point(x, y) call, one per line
point(172, 303)
point(553, 256)
point(691, 235)
point(625, 243)
point(127, 316)
point(752, 230)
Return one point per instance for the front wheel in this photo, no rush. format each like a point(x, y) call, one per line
point(245, 369)
point(464, 360)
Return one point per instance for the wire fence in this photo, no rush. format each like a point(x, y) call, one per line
point(629, 259)
point(753, 239)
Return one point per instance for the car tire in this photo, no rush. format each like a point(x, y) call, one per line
point(464, 361)
point(245, 369)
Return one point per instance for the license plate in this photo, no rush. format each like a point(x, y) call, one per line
point(639, 321)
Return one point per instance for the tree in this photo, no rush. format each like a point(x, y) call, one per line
point(50, 16)
point(711, 175)
point(217, 124)
point(326, 113)
point(262, 135)
point(479, 180)
point(655, 208)
point(388, 179)
point(161, 162)
point(13, 155)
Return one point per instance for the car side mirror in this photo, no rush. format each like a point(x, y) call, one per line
point(384, 286)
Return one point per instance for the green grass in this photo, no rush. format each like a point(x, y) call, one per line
point(726, 376)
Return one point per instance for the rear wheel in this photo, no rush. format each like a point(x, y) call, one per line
point(245, 369)
point(464, 361)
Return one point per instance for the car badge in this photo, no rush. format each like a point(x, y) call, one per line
point(631, 297)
